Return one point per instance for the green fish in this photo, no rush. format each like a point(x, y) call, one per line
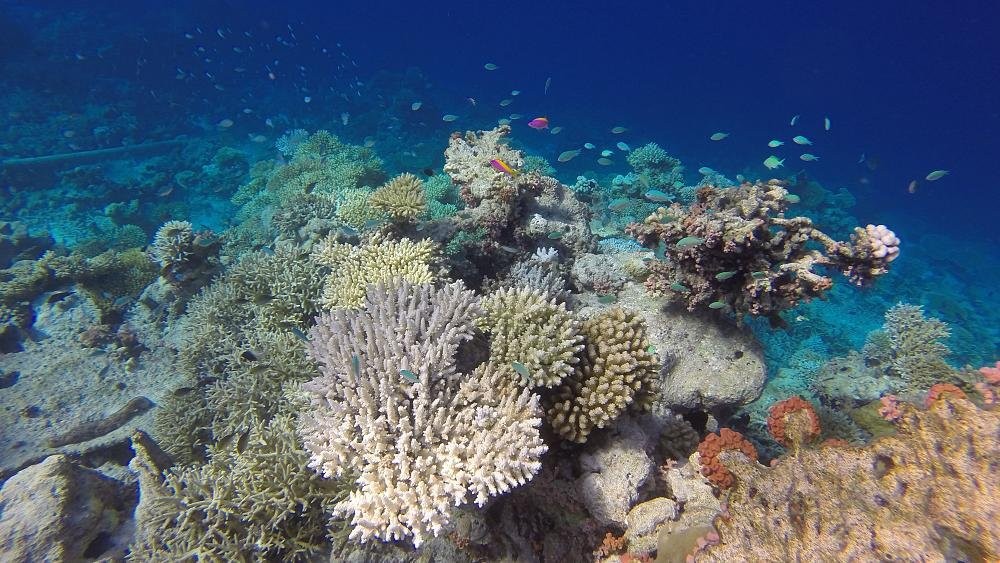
point(792, 198)
point(677, 286)
point(409, 375)
point(758, 275)
point(661, 250)
point(355, 366)
point(618, 204)
point(716, 304)
point(689, 241)
point(555, 235)
point(607, 299)
point(521, 370)
point(723, 276)
point(650, 349)
point(657, 196)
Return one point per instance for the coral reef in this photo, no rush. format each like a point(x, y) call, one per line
point(529, 328)
point(927, 492)
point(185, 256)
point(712, 446)
point(793, 422)
point(353, 268)
point(446, 437)
point(734, 249)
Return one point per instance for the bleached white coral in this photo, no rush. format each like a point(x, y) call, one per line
point(391, 408)
point(172, 243)
point(545, 255)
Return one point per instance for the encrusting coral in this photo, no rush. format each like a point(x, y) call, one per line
point(793, 422)
point(928, 492)
point(617, 370)
point(734, 249)
point(392, 408)
point(353, 268)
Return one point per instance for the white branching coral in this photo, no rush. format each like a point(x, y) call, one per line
point(391, 408)
point(172, 243)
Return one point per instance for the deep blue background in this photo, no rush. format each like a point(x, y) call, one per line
point(913, 85)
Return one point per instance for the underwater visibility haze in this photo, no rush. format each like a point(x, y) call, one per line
point(483, 281)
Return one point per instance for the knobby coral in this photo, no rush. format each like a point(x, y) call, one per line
point(392, 408)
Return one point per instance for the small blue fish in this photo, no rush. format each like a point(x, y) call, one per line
point(299, 334)
point(716, 304)
point(555, 235)
point(355, 366)
point(607, 299)
point(409, 375)
point(618, 204)
point(657, 196)
point(677, 286)
point(661, 250)
point(521, 370)
point(723, 276)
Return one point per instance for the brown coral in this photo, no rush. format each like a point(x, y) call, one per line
point(930, 492)
point(617, 371)
point(736, 247)
point(713, 445)
point(793, 422)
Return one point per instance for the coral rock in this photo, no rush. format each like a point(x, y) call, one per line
point(930, 492)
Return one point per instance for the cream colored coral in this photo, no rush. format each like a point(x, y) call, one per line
point(528, 326)
point(352, 268)
point(617, 371)
point(172, 243)
point(391, 409)
point(467, 161)
point(402, 198)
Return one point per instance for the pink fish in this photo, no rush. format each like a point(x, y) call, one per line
point(539, 123)
point(501, 166)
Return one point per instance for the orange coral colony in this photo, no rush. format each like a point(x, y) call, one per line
point(714, 444)
point(793, 422)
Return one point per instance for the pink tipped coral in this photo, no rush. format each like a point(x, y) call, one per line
point(991, 374)
point(884, 242)
point(890, 408)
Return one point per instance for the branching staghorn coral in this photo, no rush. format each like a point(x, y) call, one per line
point(185, 256)
point(392, 408)
point(734, 249)
point(353, 268)
point(909, 347)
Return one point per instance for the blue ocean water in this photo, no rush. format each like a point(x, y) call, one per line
point(885, 93)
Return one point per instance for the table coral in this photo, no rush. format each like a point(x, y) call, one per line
point(443, 437)
point(734, 249)
point(928, 492)
point(402, 198)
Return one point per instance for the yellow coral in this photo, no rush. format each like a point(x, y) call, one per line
point(379, 260)
point(402, 198)
point(355, 208)
point(528, 327)
point(617, 370)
